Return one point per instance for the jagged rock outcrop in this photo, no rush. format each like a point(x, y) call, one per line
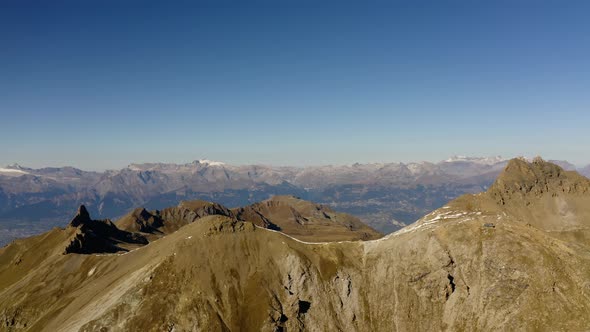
point(538, 193)
point(98, 236)
point(81, 217)
point(539, 177)
point(222, 225)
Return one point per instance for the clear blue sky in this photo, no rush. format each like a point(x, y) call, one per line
point(101, 84)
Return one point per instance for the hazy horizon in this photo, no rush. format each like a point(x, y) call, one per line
point(101, 85)
point(270, 164)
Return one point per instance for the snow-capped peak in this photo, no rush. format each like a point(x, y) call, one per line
point(210, 162)
point(478, 160)
point(13, 170)
point(134, 167)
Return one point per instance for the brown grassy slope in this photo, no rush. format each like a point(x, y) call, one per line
point(221, 274)
point(305, 220)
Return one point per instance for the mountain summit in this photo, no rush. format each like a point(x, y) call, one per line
point(81, 217)
point(538, 193)
point(538, 177)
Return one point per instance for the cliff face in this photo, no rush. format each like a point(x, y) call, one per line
point(475, 264)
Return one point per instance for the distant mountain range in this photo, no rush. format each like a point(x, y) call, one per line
point(386, 196)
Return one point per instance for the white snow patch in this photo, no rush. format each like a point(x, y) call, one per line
point(210, 162)
point(304, 242)
point(428, 221)
point(11, 171)
point(477, 160)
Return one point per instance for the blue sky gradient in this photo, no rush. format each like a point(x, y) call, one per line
point(101, 84)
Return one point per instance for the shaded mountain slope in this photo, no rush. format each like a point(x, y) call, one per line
point(99, 236)
point(471, 265)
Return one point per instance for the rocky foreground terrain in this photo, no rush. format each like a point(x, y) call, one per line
point(516, 257)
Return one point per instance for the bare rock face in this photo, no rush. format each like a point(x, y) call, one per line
point(540, 194)
point(222, 225)
point(189, 211)
point(204, 208)
point(522, 179)
point(476, 264)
